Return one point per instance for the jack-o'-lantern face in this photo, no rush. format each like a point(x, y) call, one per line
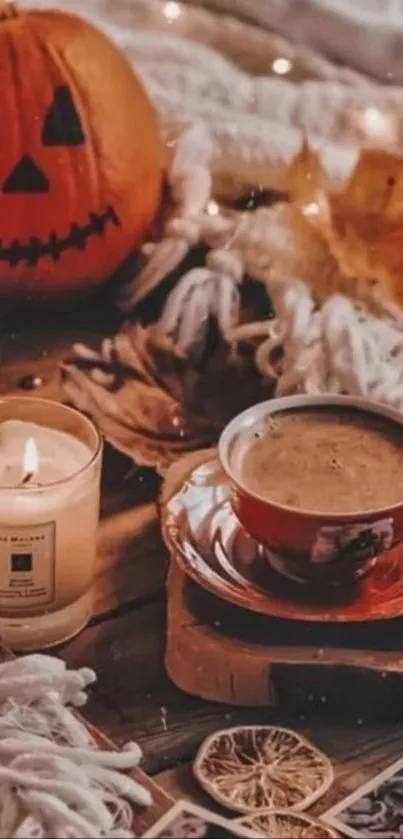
point(80, 156)
point(61, 128)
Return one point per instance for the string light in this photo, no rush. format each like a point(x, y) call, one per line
point(375, 122)
point(281, 66)
point(311, 209)
point(378, 125)
point(172, 10)
point(213, 208)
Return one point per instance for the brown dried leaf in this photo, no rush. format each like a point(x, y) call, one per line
point(367, 222)
point(227, 384)
point(376, 186)
point(162, 406)
point(152, 357)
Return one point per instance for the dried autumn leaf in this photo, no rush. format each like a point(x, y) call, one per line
point(362, 226)
point(368, 222)
point(280, 244)
point(307, 188)
point(159, 405)
point(375, 186)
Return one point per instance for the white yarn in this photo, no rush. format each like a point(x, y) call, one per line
point(342, 345)
point(190, 181)
point(54, 781)
point(338, 348)
point(201, 293)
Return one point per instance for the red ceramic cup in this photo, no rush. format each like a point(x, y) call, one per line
point(309, 547)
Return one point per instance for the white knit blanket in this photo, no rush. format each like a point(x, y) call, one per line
point(366, 34)
point(245, 129)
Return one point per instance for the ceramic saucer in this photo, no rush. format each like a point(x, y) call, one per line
point(212, 548)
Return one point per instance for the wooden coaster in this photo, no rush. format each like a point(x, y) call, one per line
point(220, 652)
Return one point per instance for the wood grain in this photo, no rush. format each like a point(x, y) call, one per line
point(244, 658)
point(36, 342)
point(133, 695)
point(130, 565)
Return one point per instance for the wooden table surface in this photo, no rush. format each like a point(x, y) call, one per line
point(124, 643)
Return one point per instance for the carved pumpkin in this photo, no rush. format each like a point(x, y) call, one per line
point(80, 154)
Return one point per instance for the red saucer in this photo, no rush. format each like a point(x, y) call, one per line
point(213, 549)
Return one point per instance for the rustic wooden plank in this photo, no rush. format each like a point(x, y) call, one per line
point(36, 341)
point(131, 562)
point(135, 698)
point(180, 782)
point(132, 559)
point(47, 367)
point(127, 654)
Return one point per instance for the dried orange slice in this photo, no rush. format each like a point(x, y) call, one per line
point(287, 824)
point(251, 768)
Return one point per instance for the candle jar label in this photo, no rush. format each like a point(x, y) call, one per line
point(27, 566)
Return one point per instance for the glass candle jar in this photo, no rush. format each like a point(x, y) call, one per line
point(50, 466)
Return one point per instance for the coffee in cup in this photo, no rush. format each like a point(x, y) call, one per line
point(318, 481)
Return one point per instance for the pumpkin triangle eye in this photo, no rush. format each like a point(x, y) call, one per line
point(62, 125)
point(26, 177)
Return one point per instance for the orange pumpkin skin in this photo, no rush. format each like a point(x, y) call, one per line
point(81, 159)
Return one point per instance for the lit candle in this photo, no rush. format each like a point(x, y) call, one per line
point(30, 463)
point(50, 459)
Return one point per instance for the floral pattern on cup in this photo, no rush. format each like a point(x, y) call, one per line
point(355, 542)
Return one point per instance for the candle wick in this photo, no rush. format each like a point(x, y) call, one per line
point(27, 478)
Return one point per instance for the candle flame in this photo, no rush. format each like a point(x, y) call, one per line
point(30, 457)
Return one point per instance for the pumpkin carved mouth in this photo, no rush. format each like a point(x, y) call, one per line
point(33, 250)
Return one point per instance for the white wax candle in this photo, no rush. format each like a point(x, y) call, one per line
point(48, 520)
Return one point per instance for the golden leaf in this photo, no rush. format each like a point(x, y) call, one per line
point(306, 186)
point(362, 226)
point(376, 186)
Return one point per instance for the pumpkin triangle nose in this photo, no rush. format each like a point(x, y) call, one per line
point(26, 177)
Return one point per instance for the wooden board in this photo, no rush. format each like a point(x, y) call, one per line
point(143, 819)
point(246, 659)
